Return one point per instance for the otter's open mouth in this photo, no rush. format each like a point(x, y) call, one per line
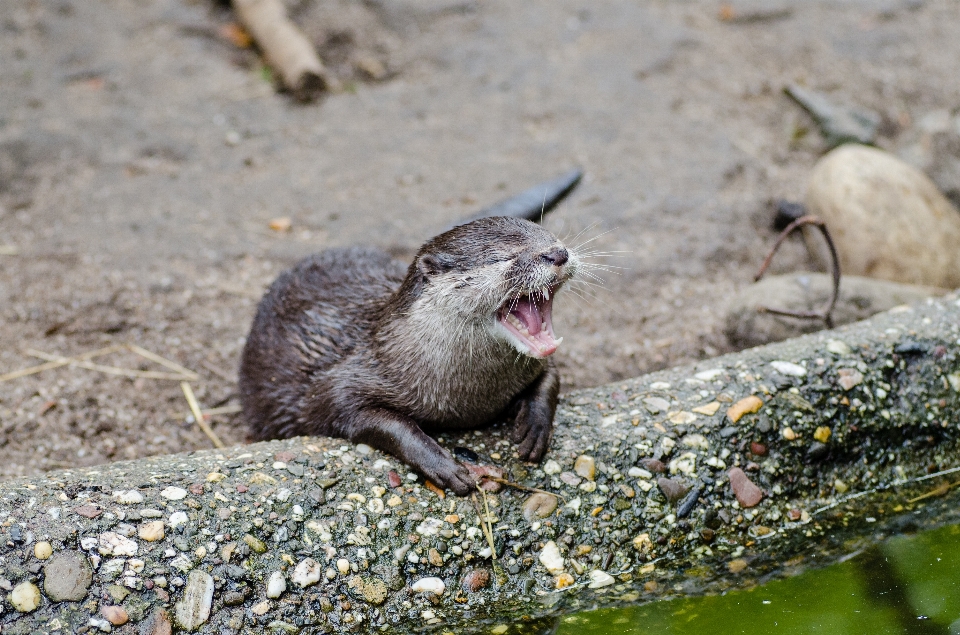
point(529, 320)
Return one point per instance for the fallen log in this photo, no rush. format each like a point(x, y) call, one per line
point(691, 480)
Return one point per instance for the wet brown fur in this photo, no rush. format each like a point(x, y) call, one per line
point(350, 343)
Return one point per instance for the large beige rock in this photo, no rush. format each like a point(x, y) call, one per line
point(888, 220)
point(859, 298)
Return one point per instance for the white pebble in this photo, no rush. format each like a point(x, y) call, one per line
point(131, 497)
point(639, 472)
point(306, 573)
point(551, 467)
point(173, 493)
point(343, 566)
point(430, 527)
point(551, 559)
point(363, 449)
point(276, 585)
point(177, 518)
point(113, 544)
point(789, 368)
point(429, 585)
point(600, 579)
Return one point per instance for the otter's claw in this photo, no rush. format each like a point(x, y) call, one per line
point(448, 474)
point(532, 432)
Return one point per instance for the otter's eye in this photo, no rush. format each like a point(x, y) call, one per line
point(556, 257)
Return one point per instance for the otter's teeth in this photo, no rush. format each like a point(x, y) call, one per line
point(517, 323)
point(558, 341)
point(546, 293)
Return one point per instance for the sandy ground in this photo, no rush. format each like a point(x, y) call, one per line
point(143, 155)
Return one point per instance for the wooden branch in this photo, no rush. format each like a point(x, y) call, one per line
point(285, 47)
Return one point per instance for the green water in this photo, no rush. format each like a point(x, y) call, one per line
point(905, 585)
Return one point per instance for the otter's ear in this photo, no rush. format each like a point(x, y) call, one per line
point(433, 264)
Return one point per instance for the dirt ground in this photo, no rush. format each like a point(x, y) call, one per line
point(143, 155)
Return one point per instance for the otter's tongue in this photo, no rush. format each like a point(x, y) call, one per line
point(530, 320)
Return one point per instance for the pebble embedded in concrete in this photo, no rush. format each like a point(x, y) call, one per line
point(276, 585)
point(429, 585)
point(551, 559)
point(585, 466)
point(67, 576)
point(42, 550)
point(194, 609)
point(25, 597)
point(306, 573)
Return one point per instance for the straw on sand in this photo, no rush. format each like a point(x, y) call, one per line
point(195, 409)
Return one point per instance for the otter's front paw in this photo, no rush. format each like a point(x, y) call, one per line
point(448, 474)
point(532, 431)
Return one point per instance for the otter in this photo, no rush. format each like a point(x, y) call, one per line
point(351, 343)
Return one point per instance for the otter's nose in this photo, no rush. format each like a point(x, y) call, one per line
point(556, 257)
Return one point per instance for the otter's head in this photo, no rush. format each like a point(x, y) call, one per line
point(500, 272)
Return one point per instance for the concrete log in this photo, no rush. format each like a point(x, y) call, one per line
point(690, 480)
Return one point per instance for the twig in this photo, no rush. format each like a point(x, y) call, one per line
point(485, 523)
point(939, 491)
point(63, 362)
point(286, 48)
point(163, 361)
point(222, 410)
point(826, 313)
point(109, 370)
point(525, 488)
point(213, 368)
point(195, 409)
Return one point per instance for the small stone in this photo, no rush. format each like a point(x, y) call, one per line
point(551, 467)
point(840, 486)
point(822, 434)
point(475, 580)
point(737, 565)
point(194, 609)
point(113, 544)
point(100, 624)
point(306, 573)
point(585, 466)
point(639, 472)
point(838, 347)
point(551, 559)
point(374, 591)
point(42, 550)
point(131, 497)
point(394, 500)
point(789, 434)
point(709, 409)
point(260, 608)
point(393, 479)
point(88, 511)
point(789, 368)
point(151, 531)
point(343, 566)
point(539, 506)
point(25, 597)
point(849, 377)
point(115, 615)
point(157, 624)
point(747, 493)
point(747, 405)
point(681, 417)
point(600, 579)
point(255, 543)
point(707, 535)
point(429, 585)
point(794, 515)
point(656, 404)
point(570, 479)
point(642, 543)
point(67, 576)
point(178, 518)
point(758, 448)
point(672, 489)
point(276, 585)
point(564, 580)
point(173, 493)
point(434, 558)
point(654, 465)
